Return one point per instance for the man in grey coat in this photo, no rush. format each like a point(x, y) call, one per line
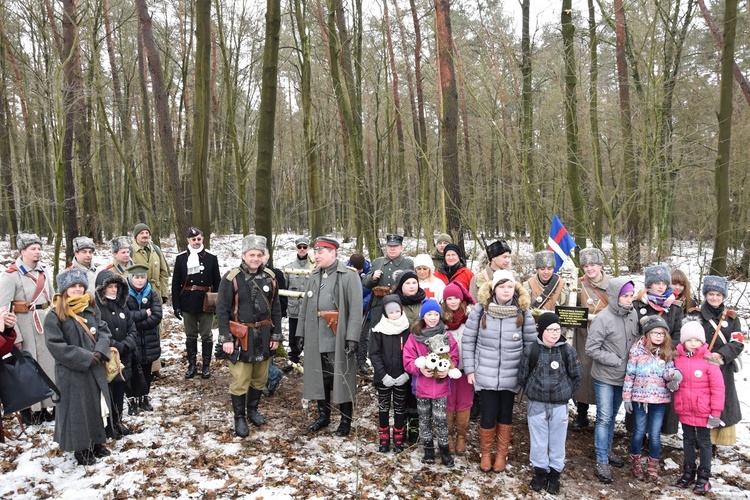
point(329, 329)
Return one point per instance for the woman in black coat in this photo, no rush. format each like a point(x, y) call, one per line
point(145, 305)
point(112, 299)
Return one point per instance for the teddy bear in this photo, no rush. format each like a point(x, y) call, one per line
point(439, 357)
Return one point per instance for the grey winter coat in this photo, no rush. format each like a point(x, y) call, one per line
point(612, 334)
point(348, 289)
point(493, 353)
point(78, 419)
point(296, 283)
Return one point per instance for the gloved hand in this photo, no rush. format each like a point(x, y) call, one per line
point(714, 422)
point(96, 359)
point(178, 314)
point(628, 407)
point(300, 343)
point(164, 300)
point(351, 347)
point(389, 381)
point(402, 379)
point(673, 385)
point(676, 376)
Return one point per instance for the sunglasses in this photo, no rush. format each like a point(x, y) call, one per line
point(302, 247)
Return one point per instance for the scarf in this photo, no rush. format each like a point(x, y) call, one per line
point(388, 326)
point(194, 262)
point(459, 318)
point(449, 271)
point(438, 329)
point(417, 298)
point(141, 296)
point(498, 311)
point(73, 305)
point(660, 302)
point(714, 311)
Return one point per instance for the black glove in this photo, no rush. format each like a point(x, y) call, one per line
point(178, 314)
point(300, 343)
point(164, 300)
point(96, 359)
point(351, 347)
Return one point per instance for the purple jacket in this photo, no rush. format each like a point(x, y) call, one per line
point(427, 387)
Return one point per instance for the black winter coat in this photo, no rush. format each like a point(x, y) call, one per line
point(118, 317)
point(387, 354)
point(147, 327)
point(192, 301)
point(673, 317)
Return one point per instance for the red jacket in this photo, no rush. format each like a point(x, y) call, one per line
point(463, 276)
point(7, 339)
point(701, 391)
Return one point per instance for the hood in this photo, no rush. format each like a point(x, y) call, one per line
point(523, 299)
point(613, 292)
point(106, 278)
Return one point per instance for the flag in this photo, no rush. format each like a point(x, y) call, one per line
point(560, 242)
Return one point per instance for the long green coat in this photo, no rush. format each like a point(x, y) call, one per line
point(348, 289)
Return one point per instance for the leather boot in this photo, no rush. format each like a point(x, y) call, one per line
point(324, 416)
point(240, 424)
point(462, 428)
point(637, 466)
point(553, 481)
point(345, 427)
point(119, 426)
point(653, 470)
point(398, 439)
point(206, 349)
point(451, 419)
point(192, 354)
point(503, 443)
point(253, 400)
point(144, 404)
point(486, 443)
point(384, 435)
point(445, 456)
point(132, 406)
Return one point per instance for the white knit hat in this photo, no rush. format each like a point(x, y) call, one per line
point(424, 260)
point(502, 274)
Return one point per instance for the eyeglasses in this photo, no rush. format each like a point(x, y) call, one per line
point(658, 334)
point(302, 247)
point(553, 330)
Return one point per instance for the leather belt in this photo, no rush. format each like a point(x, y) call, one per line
point(196, 288)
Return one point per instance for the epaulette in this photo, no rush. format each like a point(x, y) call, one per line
point(233, 273)
point(732, 314)
point(270, 273)
point(12, 268)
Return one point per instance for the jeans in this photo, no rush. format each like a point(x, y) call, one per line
point(647, 421)
point(700, 436)
point(608, 402)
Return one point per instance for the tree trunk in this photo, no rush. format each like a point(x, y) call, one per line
point(201, 120)
point(595, 135)
point(266, 124)
point(6, 167)
point(527, 133)
point(723, 154)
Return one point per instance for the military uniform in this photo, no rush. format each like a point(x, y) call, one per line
point(297, 283)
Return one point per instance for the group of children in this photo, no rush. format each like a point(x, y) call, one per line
point(494, 346)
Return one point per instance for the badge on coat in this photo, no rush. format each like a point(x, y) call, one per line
point(643, 310)
point(554, 365)
point(662, 362)
point(590, 301)
point(698, 373)
point(122, 315)
point(266, 289)
point(724, 324)
point(93, 329)
point(309, 293)
point(516, 336)
point(144, 300)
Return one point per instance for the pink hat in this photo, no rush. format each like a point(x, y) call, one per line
point(455, 289)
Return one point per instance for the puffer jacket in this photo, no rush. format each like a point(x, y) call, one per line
point(611, 335)
point(646, 376)
point(147, 327)
point(556, 376)
point(118, 317)
point(701, 392)
point(427, 387)
point(493, 353)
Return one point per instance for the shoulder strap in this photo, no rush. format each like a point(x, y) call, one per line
point(236, 299)
point(85, 327)
point(533, 356)
point(232, 274)
point(718, 329)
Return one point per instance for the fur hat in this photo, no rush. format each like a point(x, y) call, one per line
point(71, 277)
point(649, 323)
point(502, 274)
point(692, 329)
point(455, 289)
point(138, 270)
point(713, 284)
point(591, 256)
point(545, 258)
point(83, 242)
point(655, 274)
point(429, 305)
point(25, 240)
point(139, 228)
point(118, 243)
point(424, 260)
point(443, 237)
point(390, 302)
point(254, 242)
point(545, 320)
point(496, 248)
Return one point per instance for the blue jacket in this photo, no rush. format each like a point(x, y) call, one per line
point(366, 292)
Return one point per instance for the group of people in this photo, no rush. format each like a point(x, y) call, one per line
point(442, 342)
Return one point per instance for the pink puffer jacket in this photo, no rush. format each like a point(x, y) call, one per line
point(701, 391)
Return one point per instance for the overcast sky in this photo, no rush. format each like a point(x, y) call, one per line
point(543, 12)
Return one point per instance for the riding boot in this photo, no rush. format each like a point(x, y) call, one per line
point(253, 400)
point(240, 424)
point(486, 444)
point(462, 428)
point(206, 349)
point(451, 419)
point(345, 427)
point(192, 354)
point(324, 416)
point(503, 442)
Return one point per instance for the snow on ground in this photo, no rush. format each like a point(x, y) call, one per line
point(187, 449)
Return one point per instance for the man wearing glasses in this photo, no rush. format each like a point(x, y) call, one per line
point(196, 272)
point(296, 274)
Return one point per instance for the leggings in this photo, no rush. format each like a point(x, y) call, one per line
point(398, 394)
point(497, 408)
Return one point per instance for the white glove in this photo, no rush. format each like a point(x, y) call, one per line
point(388, 381)
point(714, 422)
point(402, 379)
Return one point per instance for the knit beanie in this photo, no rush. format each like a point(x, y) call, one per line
point(715, 284)
point(652, 322)
point(545, 320)
point(357, 261)
point(424, 260)
point(655, 274)
point(591, 256)
point(405, 276)
point(502, 274)
point(391, 303)
point(444, 237)
point(456, 289)
point(71, 277)
point(455, 248)
point(692, 330)
point(140, 227)
point(429, 305)
point(626, 288)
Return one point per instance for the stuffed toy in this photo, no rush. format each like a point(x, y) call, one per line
point(439, 357)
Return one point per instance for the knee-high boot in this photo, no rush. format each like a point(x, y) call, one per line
point(486, 443)
point(451, 419)
point(240, 424)
point(324, 415)
point(192, 354)
point(462, 428)
point(503, 443)
point(347, 411)
point(206, 350)
point(253, 400)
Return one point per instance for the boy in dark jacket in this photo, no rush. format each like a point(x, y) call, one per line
point(550, 372)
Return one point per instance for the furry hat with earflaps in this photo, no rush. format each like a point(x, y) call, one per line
point(523, 299)
point(106, 278)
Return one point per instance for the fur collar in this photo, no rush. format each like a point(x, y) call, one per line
point(484, 296)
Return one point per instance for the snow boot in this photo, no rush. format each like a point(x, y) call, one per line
point(637, 466)
point(445, 455)
point(615, 461)
point(324, 416)
point(582, 419)
point(253, 400)
point(207, 348)
point(462, 428)
point(240, 424)
point(539, 481)
point(688, 476)
point(503, 443)
point(653, 470)
point(451, 419)
point(486, 444)
point(100, 451)
point(192, 354)
point(144, 404)
point(132, 406)
point(345, 427)
point(429, 453)
point(553, 482)
point(384, 434)
point(398, 439)
point(603, 472)
point(85, 457)
point(702, 485)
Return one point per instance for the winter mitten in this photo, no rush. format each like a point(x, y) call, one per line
point(402, 379)
point(714, 422)
point(628, 407)
point(389, 381)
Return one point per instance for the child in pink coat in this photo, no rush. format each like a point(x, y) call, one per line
point(431, 384)
point(698, 402)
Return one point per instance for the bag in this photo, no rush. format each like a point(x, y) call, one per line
point(209, 302)
point(381, 291)
point(23, 383)
point(114, 366)
point(332, 318)
point(137, 385)
point(239, 330)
